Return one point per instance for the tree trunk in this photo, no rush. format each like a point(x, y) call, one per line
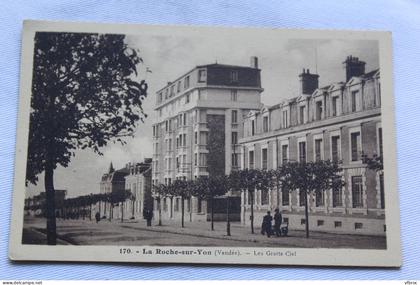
point(90, 211)
point(182, 212)
point(306, 215)
point(122, 212)
point(172, 207)
point(252, 211)
point(50, 204)
point(105, 208)
point(100, 214)
point(212, 213)
point(133, 212)
point(228, 216)
point(111, 206)
point(191, 209)
point(160, 211)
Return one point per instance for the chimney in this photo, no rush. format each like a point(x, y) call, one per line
point(354, 67)
point(308, 82)
point(254, 62)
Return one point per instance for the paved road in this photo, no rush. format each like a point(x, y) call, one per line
point(85, 232)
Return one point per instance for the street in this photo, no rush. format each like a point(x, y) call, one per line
point(86, 232)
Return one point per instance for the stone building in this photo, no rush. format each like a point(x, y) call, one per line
point(113, 181)
point(139, 183)
point(199, 123)
point(340, 121)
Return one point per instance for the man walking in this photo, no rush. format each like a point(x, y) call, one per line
point(277, 222)
point(266, 224)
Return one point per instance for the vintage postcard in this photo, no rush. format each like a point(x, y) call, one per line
point(182, 144)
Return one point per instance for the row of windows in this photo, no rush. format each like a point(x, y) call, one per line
point(335, 146)
point(317, 109)
point(357, 193)
point(202, 77)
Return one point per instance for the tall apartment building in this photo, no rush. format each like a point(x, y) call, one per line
point(336, 122)
point(199, 123)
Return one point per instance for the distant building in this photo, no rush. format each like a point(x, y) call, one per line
point(36, 204)
point(139, 183)
point(340, 122)
point(113, 181)
point(198, 127)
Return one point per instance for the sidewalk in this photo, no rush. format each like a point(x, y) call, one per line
point(243, 233)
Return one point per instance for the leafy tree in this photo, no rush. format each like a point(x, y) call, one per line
point(251, 180)
point(160, 190)
point(84, 95)
point(183, 189)
point(312, 178)
point(375, 162)
point(210, 187)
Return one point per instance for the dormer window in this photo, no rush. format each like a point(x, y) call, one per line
point(265, 124)
point(234, 76)
point(318, 111)
point(202, 75)
point(187, 82)
point(178, 88)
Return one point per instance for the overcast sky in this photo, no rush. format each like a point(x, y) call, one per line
point(169, 56)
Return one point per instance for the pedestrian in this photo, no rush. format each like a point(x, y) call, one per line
point(97, 217)
point(277, 222)
point(149, 218)
point(266, 224)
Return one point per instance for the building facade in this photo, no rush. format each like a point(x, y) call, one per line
point(139, 183)
point(340, 122)
point(199, 125)
point(114, 180)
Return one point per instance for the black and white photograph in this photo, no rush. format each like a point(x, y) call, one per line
point(207, 145)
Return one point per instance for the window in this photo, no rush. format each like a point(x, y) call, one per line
point(335, 156)
point(320, 223)
point(302, 195)
point(178, 87)
point(319, 198)
point(187, 82)
point(172, 91)
point(357, 191)
point(358, 226)
point(284, 153)
point(354, 95)
point(381, 189)
point(234, 76)
point(199, 205)
point(265, 124)
point(285, 197)
point(234, 138)
point(170, 144)
point(233, 95)
point(195, 138)
point(302, 151)
point(166, 126)
point(185, 119)
point(264, 197)
point(381, 147)
point(285, 119)
point(264, 158)
point(202, 75)
point(318, 149)
point(334, 106)
point(187, 98)
point(184, 139)
point(203, 138)
point(166, 93)
point(176, 209)
point(195, 159)
point(234, 116)
point(338, 224)
point(355, 148)
point(251, 159)
point(252, 127)
point(203, 159)
point(302, 114)
point(302, 221)
point(337, 197)
point(160, 97)
point(318, 111)
point(234, 160)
